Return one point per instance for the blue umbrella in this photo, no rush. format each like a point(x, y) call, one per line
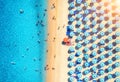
point(78, 68)
point(94, 15)
point(93, 54)
point(117, 25)
point(109, 38)
point(101, 18)
point(71, 57)
point(110, 30)
point(71, 49)
point(109, 69)
point(86, 11)
point(70, 64)
point(109, 76)
point(94, 38)
point(71, 19)
point(86, 71)
point(86, 64)
point(70, 27)
point(94, 75)
point(102, 64)
point(117, 41)
point(71, 72)
point(71, 12)
point(71, 79)
point(117, 64)
point(117, 80)
point(102, 25)
point(94, 68)
point(102, 41)
point(78, 1)
point(86, 4)
point(101, 80)
point(79, 38)
point(110, 46)
point(102, 49)
point(109, 61)
point(78, 61)
point(86, 49)
point(110, 53)
point(102, 33)
point(109, 22)
point(79, 16)
point(93, 8)
point(86, 56)
point(86, 41)
point(79, 76)
point(94, 61)
point(86, 34)
point(79, 8)
point(86, 79)
point(102, 57)
point(117, 57)
point(72, 5)
point(117, 74)
point(94, 30)
point(117, 34)
point(101, 72)
point(94, 46)
point(78, 30)
point(93, 22)
point(78, 53)
point(78, 45)
point(71, 34)
point(86, 26)
point(117, 49)
point(79, 23)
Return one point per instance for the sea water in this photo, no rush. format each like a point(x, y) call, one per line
point(22, 45)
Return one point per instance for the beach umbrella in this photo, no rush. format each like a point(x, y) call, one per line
point(109, 38)
point(117, 74)
point(110, 30)
point(102, 33)
point(117, 49)
point(102, 64)
point(117, 80)
point(79, 8)
point(117, 34)
point(94, 30)
point(86, 4)
point(78, 30)
point(102, 41)
point(102, 49)
point(93, 1)
point(71, 49)
point(101, 80)
point(94, 61)
point(72, 5)
point(79, 23)
point(71, 79)
point(94, 46)
point(94, 68)
point(86, 11)
point(78, 45)
point(117, 64)
point(71, 34)
point(79, 16)
point(86, 56)
point(86, 79)
point(101, 72)
point(86, 49)
point(109, 69)
point(86, 64)
point(102, 25)
point(79, 38)
point(110, 53)
point(102, 57)
point(117, 41)
point(101, 18)
point(71, 72)
point(109, 61)
point(70, 27)
point(93, 54)
point(86, 34)
point(117, 57)
point(94, 38)
point(86, 41)
point(86, 71)
point(78, 68)
point(71, 12)
point(102, 11)
point(117, 25)
point(78, 53)
point(94, 15)
point(110, 46)
point(109, 76)
point(93, 22)
point(78, 1)
point(71, 19)
point(94, 75)
point(71, 57)
point(70, 64)
point(79, 76)
point(109, 22)
point(78, 61)
point(86, 27)
point(93, 8)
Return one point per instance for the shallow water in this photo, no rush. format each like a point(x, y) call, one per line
point(22, 57)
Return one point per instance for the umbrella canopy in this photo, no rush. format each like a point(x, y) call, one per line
point(117, 34)
point(102, 25)
point(86, 79)
point(94, 75)
point(71, 34)
point(94, 46)
point(102, 41)
point(93, 22)
point(94, 30)
point(109, 69)
point(86, 41)
point(117, 74)
point(71, 12)
point(79, 23)
point(79, 76)
point(71, 19)
point(101, 80)
point(109, 38)
point(93, 1)
point(109, 61)
point(71, 79)
point(101, 72)
point(94, 61)
point(70, 27)
point(110, 46)
point(78, 1)
point(94, 68)
point(102, 33)
point(86, 64)
point(110, 30)
point(79, 38)
point(94, 38)
point(79, 8)
point(109, 22)
point(78, 53)
point(117, 80)
point(78, 61)
point(117, 49)
point(102, 11)
point(117, 57)
point(102, 64)
point(109, 76)
point(101, 18)
point(72, 5)
point(78, 30)
point(78, 68)
point(86, 34)
point(71, 72)
point(94, 15)
point(78, 45)
point(71, 49)
point(102, 49)
point(70, 64)
point(71, 57)
point(117, 41)
point(86, 56)
point(86, 27)
point(93, 8)
point(117, 64)
point(102, 57)
point(110, 53)
point(86, 71)
point(93, 54)
point(86, 19)
point(86, 11)
point(79, 16)
point(86, 49)
point(117, 25)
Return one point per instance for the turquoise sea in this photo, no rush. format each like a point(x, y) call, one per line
point(22, 45)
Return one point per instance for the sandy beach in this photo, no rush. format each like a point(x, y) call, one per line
point(56, 66)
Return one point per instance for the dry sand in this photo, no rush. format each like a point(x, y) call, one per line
point(57, 53)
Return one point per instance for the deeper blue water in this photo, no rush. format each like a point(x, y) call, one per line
point(22, 57)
